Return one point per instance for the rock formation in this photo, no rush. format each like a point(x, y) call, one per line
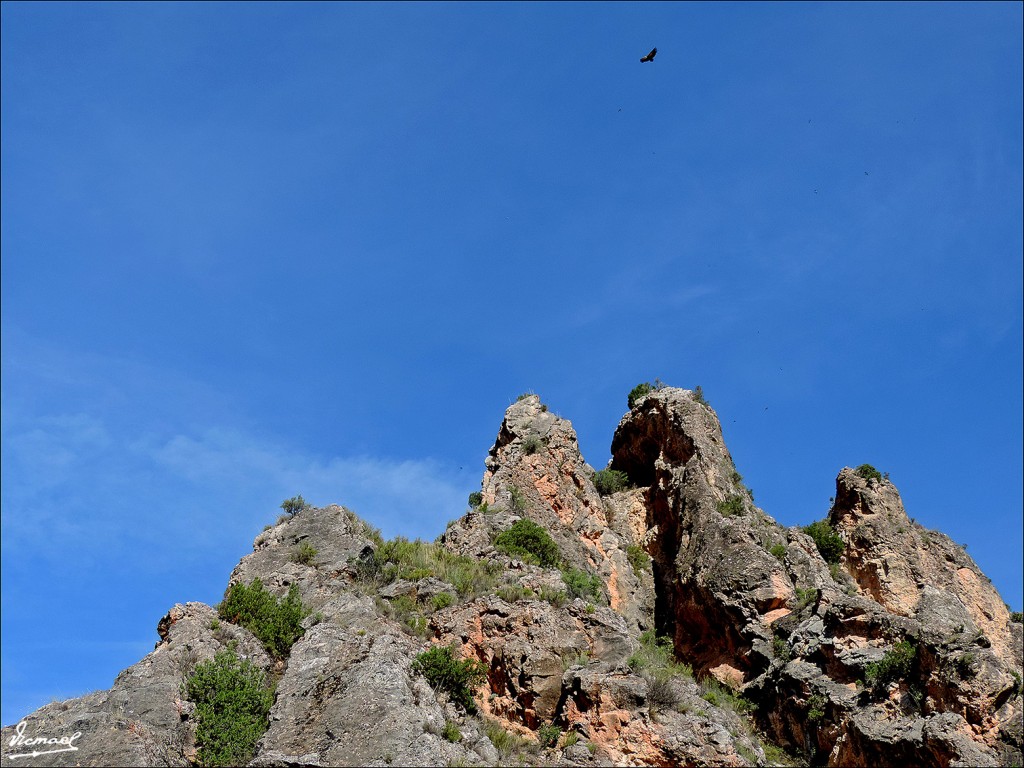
point(679, 625)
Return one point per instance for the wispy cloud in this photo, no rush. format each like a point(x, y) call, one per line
point(411, 496)
point(93, 489)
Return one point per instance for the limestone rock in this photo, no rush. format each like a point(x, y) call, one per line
point(900, 654)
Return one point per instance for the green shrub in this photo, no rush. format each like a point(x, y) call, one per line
point(304, 554)
point(638, 392)
point(662, 693)
point(781, 649)
point(406, 612)
point(966, 665)
point(895, 665)
point(476, 499)
point(583, 584)
point(1017, 616)
point(548, 735)
point(525, 537)
point(731, 506)
point(451, 732)
point(293, 505)
point(778, 551)
point(868, 472)
point(532, 444)
point(442, 600)
point(638, 558)
point(609, 481)
point(698, 395)
point(456, 677)
point(554, 596)
point(232, 701)
point(826, 539)
point(816, 708)
point(277, 623)
point(805, 597)
point(570, 738)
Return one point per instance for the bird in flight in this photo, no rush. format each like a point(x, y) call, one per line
point(650, 56)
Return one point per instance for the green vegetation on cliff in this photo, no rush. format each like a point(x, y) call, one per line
point(232, 701)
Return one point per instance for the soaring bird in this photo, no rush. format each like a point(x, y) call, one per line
point(650, 56)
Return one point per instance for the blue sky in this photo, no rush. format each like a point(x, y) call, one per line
point(256, 250)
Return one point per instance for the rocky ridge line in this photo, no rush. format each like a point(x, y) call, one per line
point(750, 606)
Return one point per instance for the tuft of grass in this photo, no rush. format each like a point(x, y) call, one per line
point(532, 444)
point(638, 558)
point(304, 554)
point(570, 660)
point(506, 743)
point(731, 506)
point(516, 499)
point(512, 593)
point(554, 596)
point(451, 732)
point(400, 558)
point(776, 755)
point(804, 597)
point(719, 695)
point(405, 610)
point(609, 481)
point(656, 656)
point(747, 753)
point(571, 738)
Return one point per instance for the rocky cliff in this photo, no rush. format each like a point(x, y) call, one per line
point(661, 620)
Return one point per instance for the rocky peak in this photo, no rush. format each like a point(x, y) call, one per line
point(535, 471)
point(910, 570)
point(667, 427)
point(708, 634)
